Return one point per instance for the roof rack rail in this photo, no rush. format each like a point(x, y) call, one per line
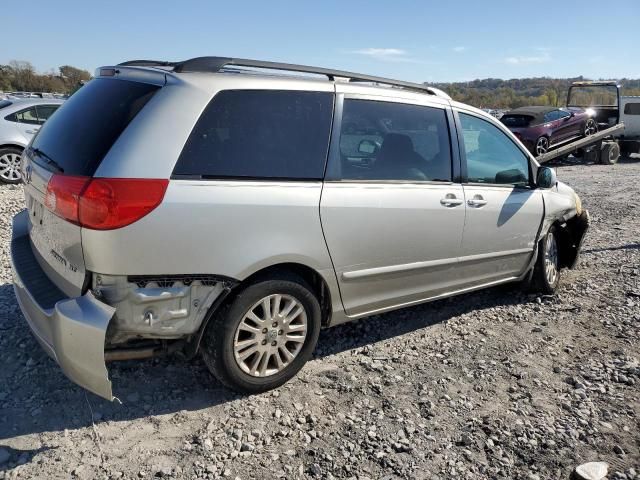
point(217, 64)
point(147, 63)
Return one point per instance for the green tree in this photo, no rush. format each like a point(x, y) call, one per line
point(73, 77)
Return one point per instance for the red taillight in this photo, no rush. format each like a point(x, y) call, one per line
point(103, 203)
point(63, 194)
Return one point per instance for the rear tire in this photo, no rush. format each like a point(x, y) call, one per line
point(546, 272)
point(610, 153)
point(252, 348)
point(592, 155)
point(590, 128)
point(10, 165)
point(541, 147)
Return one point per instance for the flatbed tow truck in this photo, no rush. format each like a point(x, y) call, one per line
point(618, 119)
point(601, 147)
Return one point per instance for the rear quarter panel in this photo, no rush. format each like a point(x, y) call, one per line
point(230, 228)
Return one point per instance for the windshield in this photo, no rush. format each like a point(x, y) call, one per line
point(593, 96)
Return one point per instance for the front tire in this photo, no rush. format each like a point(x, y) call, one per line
point(264, 336)
point(546, 272)
point(10, 165)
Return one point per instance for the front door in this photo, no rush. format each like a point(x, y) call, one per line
point(568, 126)
point(504, 210)
point(391, 214)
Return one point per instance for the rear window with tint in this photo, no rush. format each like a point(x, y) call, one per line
point(85, 127)
point(516, 121)
point(260, 134)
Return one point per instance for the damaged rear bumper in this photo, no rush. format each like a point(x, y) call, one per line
point(71, 330)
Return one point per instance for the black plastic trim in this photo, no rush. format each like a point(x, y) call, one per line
point(187, 279)
point(40, 287)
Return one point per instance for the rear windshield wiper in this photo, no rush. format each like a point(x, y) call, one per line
point(48, 160)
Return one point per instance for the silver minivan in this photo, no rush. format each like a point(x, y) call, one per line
point(234, 208)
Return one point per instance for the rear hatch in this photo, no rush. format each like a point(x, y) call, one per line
point(59, 164)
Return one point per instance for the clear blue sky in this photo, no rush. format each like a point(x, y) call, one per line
point(453, 40)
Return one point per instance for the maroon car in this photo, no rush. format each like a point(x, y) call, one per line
point(543, 128)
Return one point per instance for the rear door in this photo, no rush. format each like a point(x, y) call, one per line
point(391, 212)
point(504, 211)
point(71, 146)
point(26, 122)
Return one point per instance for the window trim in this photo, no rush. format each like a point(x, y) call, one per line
point(463, 154)
point(13, 117)
point(333, 169)
point(239, 178)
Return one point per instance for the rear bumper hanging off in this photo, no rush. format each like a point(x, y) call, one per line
point(71, 330)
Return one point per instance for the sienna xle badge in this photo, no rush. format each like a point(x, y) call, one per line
point(213, 207)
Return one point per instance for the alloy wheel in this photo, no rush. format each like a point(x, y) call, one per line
point(551, 259)
point(270, 335)
point(542, 146)
point(10, 167)
point(590, 128)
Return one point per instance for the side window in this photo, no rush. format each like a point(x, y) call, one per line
point(632, 109)
point(260, 134)
point(491, 155)
point(563, 114)
point(27, 116)
point(394, 141)
point(45, 111)
point(551, 116)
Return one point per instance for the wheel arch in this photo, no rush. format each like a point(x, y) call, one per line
point(12, 145)
point(570, 235)
point(309, 275)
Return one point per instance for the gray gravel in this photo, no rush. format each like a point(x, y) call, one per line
point(493, 385)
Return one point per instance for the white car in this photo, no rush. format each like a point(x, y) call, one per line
point(20, 120)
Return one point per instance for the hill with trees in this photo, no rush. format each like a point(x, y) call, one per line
point(487, 93)
point(20, 76)
point(520, 92)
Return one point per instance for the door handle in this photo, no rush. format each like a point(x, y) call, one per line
point(450, 200)
point(33, 132)
point(476, 201)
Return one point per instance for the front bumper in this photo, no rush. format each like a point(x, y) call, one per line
point(575, 231)
point(71, 330)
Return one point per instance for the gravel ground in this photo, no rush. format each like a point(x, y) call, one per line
point(497, 384)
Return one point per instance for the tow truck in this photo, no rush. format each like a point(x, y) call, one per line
point(618, 119)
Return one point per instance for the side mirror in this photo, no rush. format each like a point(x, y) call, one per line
point(367, 147)
point(546, 178)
